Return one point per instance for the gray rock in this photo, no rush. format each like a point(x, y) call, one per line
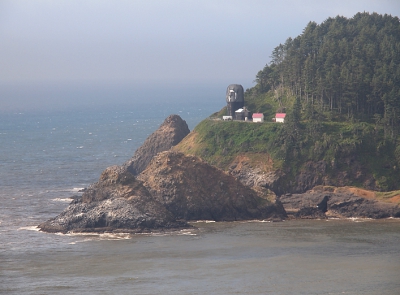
point(194, 190)
point(340, 204)
point(117, 202)
point(169, 134)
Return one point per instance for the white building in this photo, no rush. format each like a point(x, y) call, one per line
point(280, 117)
point(258, 117)
point(227, 118)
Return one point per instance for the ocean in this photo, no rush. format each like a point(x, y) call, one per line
point(48, 156)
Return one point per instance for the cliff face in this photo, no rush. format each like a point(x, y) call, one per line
point(169, 134)
point(311, 174)
point(194, 190)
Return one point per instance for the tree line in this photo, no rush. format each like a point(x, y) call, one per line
point(344, 68)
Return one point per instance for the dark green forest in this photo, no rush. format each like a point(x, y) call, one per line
point(344, 70)
point(339, 83)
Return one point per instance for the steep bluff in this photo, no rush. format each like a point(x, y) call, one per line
point(194, 190)
point(169, 134)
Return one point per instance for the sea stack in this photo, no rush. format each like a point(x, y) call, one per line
point(169, 134)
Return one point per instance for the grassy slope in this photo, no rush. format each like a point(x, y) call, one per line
point(219, 142)
point(337, 143)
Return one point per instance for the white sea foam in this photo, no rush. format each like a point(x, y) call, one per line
point(99, 236)
point(115, 236)
point(70, 234)
point(204, 221)
point(155, 234)
point(77, 189)
point(254, 221)
point(358, 219)
point(32, 228)
point(70, 190)
point(187, 232)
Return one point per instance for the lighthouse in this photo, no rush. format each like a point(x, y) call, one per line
point(234, 99)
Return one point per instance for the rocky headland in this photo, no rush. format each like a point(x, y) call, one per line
point(172, 190)
point(162, 189)
point(330, 142)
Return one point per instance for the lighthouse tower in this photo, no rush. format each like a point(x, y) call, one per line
point(234, 99)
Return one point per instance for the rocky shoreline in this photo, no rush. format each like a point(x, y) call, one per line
point(330, 202)
point(163, 190)
point(172, 191)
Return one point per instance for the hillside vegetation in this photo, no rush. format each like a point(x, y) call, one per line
point(339, 83)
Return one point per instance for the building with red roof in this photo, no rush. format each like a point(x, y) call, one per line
point(280, 117)
point(258, 117)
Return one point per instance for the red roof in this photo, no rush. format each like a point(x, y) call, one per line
point(258, 115)
point(280, 115)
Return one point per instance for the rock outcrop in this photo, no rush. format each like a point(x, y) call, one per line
point(194, 190)
point(257, 179)
point(118, 202)
point(172, 190)
point(169, 134)
point(310, 175)
point(339, 203)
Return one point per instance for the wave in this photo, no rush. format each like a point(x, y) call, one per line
point(187, 232)
point(74, 190)
point(87, 237)
point(98, 236)
point(359, 219)
point(32, 228)
point(77, 189)
point(62, 190)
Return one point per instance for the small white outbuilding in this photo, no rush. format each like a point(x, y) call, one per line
point(227, 118)
point(258, 117)
point(280, 117)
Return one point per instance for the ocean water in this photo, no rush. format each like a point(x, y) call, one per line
point(46, 157)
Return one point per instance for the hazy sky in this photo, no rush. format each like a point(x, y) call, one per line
point(149, 41)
